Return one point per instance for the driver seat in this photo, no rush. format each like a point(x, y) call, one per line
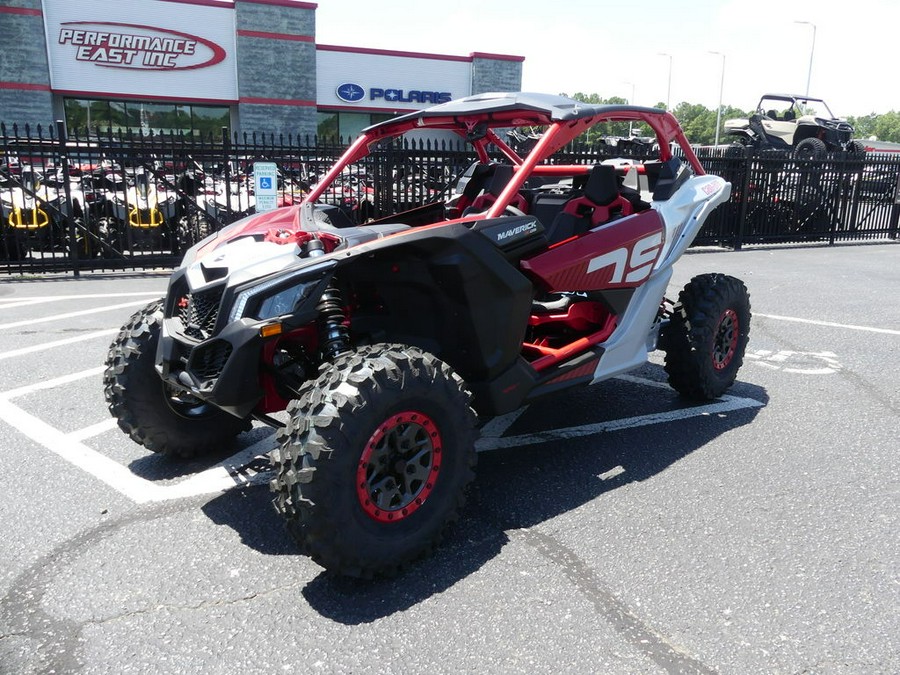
point(600, 202)
point(503, 173)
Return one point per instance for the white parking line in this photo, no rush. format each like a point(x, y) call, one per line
point(57, 343)
point(51, 384)
point(12, 303)
point(93, 430)
point(726, 404)
point(229, 473)
point(76, 453)
point(69, 315)
point(242, 468)
point(869, 329)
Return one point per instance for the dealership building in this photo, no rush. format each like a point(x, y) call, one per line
point(199, 65)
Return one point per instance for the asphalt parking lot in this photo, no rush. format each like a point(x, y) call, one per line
point(616, 529)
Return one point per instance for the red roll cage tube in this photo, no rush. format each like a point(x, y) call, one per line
point(557, 135)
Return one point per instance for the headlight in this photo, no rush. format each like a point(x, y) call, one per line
point(276, 296)
point(283, 302)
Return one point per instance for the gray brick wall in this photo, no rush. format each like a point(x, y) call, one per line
point(277, 119)
point(279, 69)
point(275, 18)
point(489, 74)
point(24, 63)
point(26, 107)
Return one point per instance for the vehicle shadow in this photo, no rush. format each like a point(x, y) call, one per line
point(157, 467)
point(516, 487)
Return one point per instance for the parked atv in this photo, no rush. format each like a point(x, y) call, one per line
point(797, 123)
point(35, 215)
point(387, 343)
point(140, 213)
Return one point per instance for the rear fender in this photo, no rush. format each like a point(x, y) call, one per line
point(686, 211)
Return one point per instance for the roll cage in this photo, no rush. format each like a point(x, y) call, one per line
point(476, 119)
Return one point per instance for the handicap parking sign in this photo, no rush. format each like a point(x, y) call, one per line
point(265, 176)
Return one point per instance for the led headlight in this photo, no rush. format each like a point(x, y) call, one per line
point(283, 302)
point(274, 297)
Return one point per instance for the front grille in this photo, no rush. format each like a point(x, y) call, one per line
point(207, 360)
point(199, 313)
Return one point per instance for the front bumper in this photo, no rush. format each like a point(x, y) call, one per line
point(223, 370)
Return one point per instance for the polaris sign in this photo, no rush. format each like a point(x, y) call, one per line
point(350, 92)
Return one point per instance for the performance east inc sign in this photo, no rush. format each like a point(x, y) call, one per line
point(140, 48)
point(123, 45)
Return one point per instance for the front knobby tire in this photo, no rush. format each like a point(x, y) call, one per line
point(810, 149)
point(707, 336)
point(152, 413)
point(375, 460)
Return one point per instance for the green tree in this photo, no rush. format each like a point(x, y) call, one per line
point(596, 134)
point(863, 126)
point(887, 127)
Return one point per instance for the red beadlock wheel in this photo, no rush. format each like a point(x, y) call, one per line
point(726, 341)
point(399, 466)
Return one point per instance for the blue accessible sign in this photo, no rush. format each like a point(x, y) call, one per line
point(265, 183)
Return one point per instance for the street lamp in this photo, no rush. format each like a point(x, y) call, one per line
point(631, 102)
point(721, 87)
point(812, 50)
point(669, 88)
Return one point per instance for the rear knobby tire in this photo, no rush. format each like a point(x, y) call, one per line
point(154, 414)
point(707, 336)
point(375, 459)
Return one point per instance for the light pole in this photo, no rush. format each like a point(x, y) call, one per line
point(631, 102)
point(721, 88)
point(812, 50)
point(669, 88)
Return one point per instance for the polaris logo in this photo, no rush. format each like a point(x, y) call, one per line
point(528, 228)
point(350, 92)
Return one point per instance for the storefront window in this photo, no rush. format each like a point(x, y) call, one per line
point(118, 116)
point(145, 117)
point(346, 125)
point(208, 120)
point(351, 124)
point(327, 126)
point(76, 113)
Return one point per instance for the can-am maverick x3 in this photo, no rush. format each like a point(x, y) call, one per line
point(385, 341)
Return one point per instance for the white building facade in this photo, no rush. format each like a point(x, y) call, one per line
point(197, 66)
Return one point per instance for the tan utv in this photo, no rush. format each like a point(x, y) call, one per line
point(793, 122)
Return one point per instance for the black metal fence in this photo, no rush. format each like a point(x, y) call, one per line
point(776, 198)
point(104, 202)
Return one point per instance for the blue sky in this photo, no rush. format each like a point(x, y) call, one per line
point(604, 47)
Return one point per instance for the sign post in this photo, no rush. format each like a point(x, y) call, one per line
point(265, 185)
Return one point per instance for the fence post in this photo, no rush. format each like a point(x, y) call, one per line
point(226, 152)
point(67, 190)
point(745, 200)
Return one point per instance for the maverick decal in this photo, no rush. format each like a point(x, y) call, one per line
point(133, 46)
point(527, 228)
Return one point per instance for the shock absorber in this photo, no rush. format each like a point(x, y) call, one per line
point(333, 333)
